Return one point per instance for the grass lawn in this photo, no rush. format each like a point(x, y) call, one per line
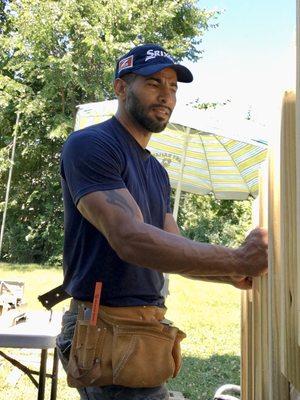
point(208, 313)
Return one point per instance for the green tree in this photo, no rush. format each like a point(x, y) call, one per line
point(55, 55)
point(205, 219)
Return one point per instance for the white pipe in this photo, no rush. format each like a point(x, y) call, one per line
point(9, 180)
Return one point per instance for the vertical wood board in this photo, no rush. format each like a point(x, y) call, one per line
point(298, 157)
point(278, 384)
point(255, 363)
point(246, 346)
point(288, 227)
point(260, 308)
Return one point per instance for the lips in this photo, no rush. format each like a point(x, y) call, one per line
point(163, 111)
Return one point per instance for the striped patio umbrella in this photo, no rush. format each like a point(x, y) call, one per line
point(201, 150)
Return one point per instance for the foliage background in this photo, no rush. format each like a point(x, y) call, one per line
point(55, 55)
point(205, 219)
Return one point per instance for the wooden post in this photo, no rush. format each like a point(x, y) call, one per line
point(254, 341)
point(278, 384)
point(298, 155)
point(290, 351)
point(260, 309)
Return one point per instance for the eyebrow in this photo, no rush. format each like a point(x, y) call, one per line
point(158, 80)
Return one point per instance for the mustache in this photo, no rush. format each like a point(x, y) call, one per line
point(162, 106)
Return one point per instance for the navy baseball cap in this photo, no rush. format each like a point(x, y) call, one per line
point(147, 59)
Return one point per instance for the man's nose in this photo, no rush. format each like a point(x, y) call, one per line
point(165, 95)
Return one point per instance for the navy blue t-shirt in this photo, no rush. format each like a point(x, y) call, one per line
point(106, 157)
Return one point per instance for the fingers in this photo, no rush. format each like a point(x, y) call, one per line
point(259, 235)
point(254, 253)
point(243, 283)
point(249, 280)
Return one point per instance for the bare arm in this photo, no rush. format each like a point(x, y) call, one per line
point(240, 282)
point(116, 215)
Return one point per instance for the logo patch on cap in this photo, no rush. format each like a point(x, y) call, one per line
point(125, 63)
point(157, 53)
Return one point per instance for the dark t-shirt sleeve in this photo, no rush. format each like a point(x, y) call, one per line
point(89, 164)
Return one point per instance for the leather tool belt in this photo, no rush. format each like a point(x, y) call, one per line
point(128, 346)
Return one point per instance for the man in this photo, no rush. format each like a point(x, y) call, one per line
point(119, 229)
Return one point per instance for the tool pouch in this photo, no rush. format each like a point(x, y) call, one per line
point(129, 346)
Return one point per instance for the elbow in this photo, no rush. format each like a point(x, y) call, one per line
point(121, 243)
point(126, 253)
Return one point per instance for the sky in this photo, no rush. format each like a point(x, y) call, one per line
point(248, 59)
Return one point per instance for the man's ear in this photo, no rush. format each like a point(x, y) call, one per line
point(120, 87)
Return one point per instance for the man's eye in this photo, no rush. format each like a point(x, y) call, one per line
point(153, 83)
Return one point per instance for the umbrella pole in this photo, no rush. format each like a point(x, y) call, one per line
point(179, 184)
point(165, 289)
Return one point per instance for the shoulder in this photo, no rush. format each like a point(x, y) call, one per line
point(91, 140)
point(94, 133)
point(95, 148)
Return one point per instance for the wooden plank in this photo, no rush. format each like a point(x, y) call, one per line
point(254, 341)
point(264, 292)
point(260, 308)
point(298, 157)
point(278, 384)
point(246, 346)
point(247, 319)
point(288, 227)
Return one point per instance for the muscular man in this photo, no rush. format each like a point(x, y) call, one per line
point(119, 228)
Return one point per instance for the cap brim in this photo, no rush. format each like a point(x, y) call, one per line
point(183, 73)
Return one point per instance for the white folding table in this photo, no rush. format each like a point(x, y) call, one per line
point(36, 332)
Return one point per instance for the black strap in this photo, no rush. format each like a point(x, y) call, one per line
point(53, 297)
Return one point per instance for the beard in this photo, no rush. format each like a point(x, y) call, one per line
point(139, 113)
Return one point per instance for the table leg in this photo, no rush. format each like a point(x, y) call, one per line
point(54, 375)
point(42, 378)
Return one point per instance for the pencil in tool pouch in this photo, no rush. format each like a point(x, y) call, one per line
point(96, 303)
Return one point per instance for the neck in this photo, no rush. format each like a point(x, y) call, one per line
point(141, 135)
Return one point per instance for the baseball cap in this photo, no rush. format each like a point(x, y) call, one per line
point(147, 59)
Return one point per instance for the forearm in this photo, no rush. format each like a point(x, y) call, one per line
point(151, 247)
point(213, 279)
point(116, 215)
point(172, 227)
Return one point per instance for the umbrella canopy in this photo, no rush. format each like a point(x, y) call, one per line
point(202, 150)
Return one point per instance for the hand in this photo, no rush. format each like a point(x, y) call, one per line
point(242, 282)
point(253, 253)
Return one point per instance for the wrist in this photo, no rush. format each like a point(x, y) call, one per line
point(241, 266)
